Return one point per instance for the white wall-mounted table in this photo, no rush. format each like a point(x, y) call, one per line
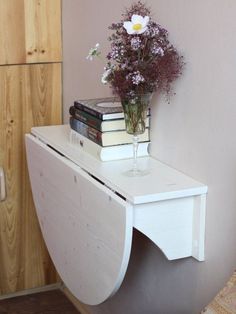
point(87, 210)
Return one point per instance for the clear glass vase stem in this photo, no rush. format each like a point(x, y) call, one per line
point(135, 154)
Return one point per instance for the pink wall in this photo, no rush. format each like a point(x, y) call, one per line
point(195, 134)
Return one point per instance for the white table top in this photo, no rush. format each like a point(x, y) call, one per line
point(162, 182)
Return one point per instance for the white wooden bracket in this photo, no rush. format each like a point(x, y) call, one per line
point(176, 226)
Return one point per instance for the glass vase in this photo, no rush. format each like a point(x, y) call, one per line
point(135, 115)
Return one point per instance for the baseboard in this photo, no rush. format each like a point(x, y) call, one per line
point(31, 291)
point(83, 309)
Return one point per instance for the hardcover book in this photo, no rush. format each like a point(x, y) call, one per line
point(102, 108)
point(108, 153)
point(101, 125)
point(105, 138)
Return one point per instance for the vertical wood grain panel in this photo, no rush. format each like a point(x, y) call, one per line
point(42, 106)
point(42, 30)
point(12, 32)
point(30, 95)
point(10, 159)
point(30, 31)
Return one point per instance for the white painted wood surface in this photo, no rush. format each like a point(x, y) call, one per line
point(87, 228)
point(87, 223)
point(170, 224)
point(162, 183)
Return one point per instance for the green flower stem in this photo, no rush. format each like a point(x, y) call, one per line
point(135, 112)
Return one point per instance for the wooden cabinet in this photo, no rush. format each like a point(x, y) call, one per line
point(30, 31)
point(30, 95)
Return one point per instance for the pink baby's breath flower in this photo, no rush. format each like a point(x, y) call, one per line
point(157, 50)
point(137, 78)
point(135, 43)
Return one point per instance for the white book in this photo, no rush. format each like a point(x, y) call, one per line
point(107, 153)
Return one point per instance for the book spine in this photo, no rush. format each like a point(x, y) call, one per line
point(86, 118)
point(106, 153)
point(91, 133)
point(91, 111)
point(85, 144)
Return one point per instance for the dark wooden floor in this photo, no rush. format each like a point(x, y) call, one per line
point(50, 302)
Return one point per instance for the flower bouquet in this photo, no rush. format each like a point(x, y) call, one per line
point(141, 61)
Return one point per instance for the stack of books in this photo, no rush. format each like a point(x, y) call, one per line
point(98, 127)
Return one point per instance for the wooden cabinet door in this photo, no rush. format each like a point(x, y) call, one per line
point(30, 95)
point(30, 31)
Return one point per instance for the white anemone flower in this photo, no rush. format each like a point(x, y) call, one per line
point(137, 25)
point(93, 52)
point(105, 76)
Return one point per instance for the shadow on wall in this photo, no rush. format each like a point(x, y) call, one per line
point(136, 293)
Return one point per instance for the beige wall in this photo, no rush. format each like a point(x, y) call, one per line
point(195, 134)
